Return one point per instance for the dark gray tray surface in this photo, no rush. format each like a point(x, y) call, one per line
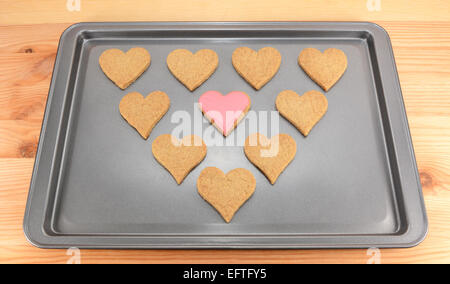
point(353, 182)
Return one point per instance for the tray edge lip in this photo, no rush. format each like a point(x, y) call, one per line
point(421, 232)
point(32, 237)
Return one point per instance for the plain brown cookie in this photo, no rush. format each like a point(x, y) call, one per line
point(124, 68)
point(192, 69)
point(323, 68)
point(144, 113)
point(270, 156)
point(226, 193)
point(179, 157)
point(257, 68)
point(302, 111)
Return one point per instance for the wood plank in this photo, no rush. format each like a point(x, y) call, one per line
point(55, 11)
point(25, 73)
point(422, 50)
point(23, 93)
point(18, 138)
point(24, 83)
point(14, 182)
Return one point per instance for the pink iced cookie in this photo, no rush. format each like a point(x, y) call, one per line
point(224, 112)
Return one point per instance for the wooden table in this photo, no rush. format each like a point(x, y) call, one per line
point(29, 33)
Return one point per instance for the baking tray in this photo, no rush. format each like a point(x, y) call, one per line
point(353, 183)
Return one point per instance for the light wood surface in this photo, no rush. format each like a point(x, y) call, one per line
point(29, 34)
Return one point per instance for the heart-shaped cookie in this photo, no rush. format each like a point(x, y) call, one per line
point(144, 113)
point(224, 112)
point(257, 68)
point(226, 193)
point(324, 68)
point(270, 156)
point(179, 157)
point(124, 68)
point(192, 69)
point(302, 111)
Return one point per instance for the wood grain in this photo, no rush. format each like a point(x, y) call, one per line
point(33, 12)
point(29, 34)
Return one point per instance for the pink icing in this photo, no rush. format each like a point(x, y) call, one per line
point(224, 111)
